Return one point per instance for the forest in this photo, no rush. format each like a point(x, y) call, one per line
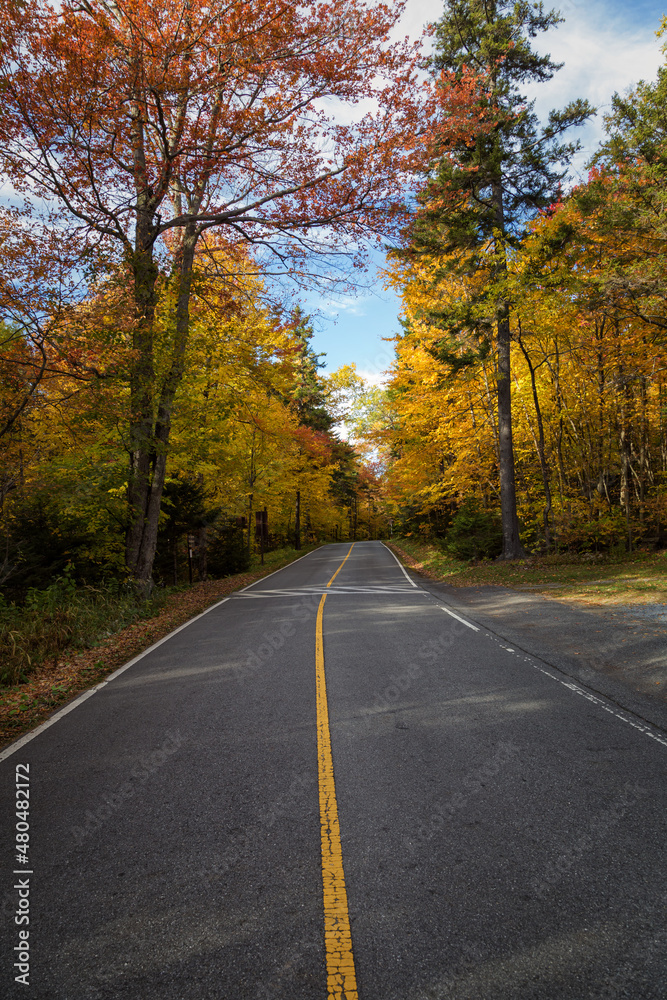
point(176, 175)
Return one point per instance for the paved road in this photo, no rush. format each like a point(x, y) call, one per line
point(620, 651)
point(502, 834)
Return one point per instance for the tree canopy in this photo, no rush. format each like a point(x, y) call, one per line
point(166, 165)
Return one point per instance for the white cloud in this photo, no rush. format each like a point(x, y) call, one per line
point(602, 54)
point(415, 17)
point(606, 46)
point(372, 377)
point(602, 45)
point(347, 304)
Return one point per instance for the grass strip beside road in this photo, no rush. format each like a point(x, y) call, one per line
point(48, 688)
point(636, 578)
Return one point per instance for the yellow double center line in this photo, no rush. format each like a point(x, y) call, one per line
point(341, 977)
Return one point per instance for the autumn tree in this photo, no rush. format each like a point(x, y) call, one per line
point(43, 337)
point(237, 445)
point(135, 127)
point(481, 190)
point(589, 391)
point(625, 199)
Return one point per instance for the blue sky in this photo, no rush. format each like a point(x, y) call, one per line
point(605, 47)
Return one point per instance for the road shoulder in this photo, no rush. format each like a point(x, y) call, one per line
point(616, 651)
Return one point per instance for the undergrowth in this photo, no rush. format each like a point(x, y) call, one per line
point(64, 616)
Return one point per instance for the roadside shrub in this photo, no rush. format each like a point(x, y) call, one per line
point(64, 616)
point(185, 510)
point(50, 529)
point(474, 533)
point(227, 552)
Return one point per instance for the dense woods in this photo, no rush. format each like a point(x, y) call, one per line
point(579, 300)
point(164, 159)
point(176, 173)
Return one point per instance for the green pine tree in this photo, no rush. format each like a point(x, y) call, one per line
point(482, 191)
point(307, 397)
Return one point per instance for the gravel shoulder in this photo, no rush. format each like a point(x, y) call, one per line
point(619, 651)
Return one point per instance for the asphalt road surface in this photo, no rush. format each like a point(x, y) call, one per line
point(450, 818)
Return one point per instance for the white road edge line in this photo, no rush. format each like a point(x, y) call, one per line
point(459, 619)
point(21, 742)
point(574, 688)
point(645, 729)
point(625, 715)
point(13, 747)
point(446, 610)
point(402, 567)
point(601, 702)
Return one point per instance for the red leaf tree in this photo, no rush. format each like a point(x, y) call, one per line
point(137, 126)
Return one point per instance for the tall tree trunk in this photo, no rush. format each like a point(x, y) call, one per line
point(142, 376)
point(541, 449)
point(560, 426)
point(662, 418)
point(297, 521)
point(644, 451)
point(512, 547)
point(625, 447)
point(154, 458)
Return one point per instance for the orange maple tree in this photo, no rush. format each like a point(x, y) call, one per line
point(137, 126)
point(45, 335)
